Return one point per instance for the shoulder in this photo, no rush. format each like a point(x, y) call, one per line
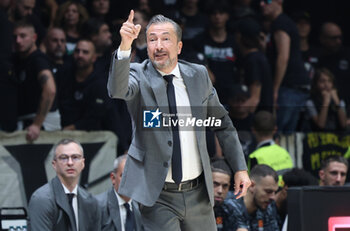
point(86, 197)
point(102, 198)
point(188, 66)
point(42, 198)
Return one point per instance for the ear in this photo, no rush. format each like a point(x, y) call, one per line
point(321, 174)
point(252, 186)
point(53, 162)
point(179, 47)
point(112, 177)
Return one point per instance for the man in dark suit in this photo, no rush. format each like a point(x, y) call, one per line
point(61, 204)
point(168, 169)
point(115, 213)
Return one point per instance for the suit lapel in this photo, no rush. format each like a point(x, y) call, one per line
point(189, 77)
point(158, 86)
point(137, 215)
point(62, 201)
point(113, 205)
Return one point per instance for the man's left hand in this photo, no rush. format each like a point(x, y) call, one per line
point(33, 132)
point(242, 183)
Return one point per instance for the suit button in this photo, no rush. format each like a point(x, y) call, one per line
point(170, 143)
point(165, 164)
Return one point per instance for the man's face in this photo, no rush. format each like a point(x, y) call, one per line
point(304, 28)
point(68, 162)
point(84, 54)
point(25, 7)
point(264, 191)
point(116, 176)
point(221, 183)
point(334, 174)
point(56, 43)
point(163, 47)
point(24, 38)
point(331, 38)
point(104, 37)
point(101, 7)
point(269, 7)
point(218, 19)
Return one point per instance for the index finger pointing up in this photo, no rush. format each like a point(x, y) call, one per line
point(131, 16)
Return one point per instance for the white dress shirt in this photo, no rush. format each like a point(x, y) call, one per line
point(191, 162)
point(122, 209)
point(74, 203)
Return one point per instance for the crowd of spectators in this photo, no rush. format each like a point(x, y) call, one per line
point(258, 57)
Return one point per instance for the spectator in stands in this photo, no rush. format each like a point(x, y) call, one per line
point(336, 58)
point(70, 16)
point(139, 51)
point(62, 204)
point(333, 171)
point(194, 20)
point(221, 181)
point(99, 9)
point(240, 9)
point(37, 87)
point(267, 151)
point(257, 210)
point(23, 10)
point(290, 81)
point(219, 48)
point(8, 88)
point(98, 32)
point(326, 110)
point(294, 178)
point(255, 70)
point(84, 103)
point(309, 52)
point(118, 212)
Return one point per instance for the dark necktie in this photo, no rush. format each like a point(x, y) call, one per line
point(70, 201)
point(129, 222)
point(176, 164)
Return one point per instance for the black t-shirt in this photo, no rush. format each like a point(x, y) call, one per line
point(221, 58)
point(257, 69)
point(84, 104)
point(311, 60)
point(295, 73)
point(30, 90)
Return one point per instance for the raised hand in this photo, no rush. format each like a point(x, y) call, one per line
point(129, 32)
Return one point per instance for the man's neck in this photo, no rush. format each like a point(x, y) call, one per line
point(69, 184)
point(28, 53)
point(304, 44)
point(82, 74)
point(249, 203)
point(218, 34)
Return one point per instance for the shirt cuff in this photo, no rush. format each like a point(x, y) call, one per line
point(123, 54)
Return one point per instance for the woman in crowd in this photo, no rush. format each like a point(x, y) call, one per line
point(326, 109)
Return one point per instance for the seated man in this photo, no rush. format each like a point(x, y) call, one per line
point(221, 181)
point(267, 152)
point(257, 210)
point(333, 171)
point(61, 204)
point(118, 212)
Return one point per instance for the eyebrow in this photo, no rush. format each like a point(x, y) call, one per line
point(162, 33)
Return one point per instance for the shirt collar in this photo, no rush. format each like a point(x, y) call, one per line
point(175, 71)
point(121, 201)
point(265, 143)
point(66, 190)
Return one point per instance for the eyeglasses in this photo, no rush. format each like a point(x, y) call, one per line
point(65, 158)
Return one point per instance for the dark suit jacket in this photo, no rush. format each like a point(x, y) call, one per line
point(110, 218)
point(49, 209)
point(149, 155)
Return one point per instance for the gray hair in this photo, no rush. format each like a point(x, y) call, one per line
point(158, 19)
point(117, 162)
point(65, 142)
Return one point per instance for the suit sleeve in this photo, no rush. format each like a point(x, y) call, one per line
point(41, 213)
point(226, 133)
point(122, 82)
